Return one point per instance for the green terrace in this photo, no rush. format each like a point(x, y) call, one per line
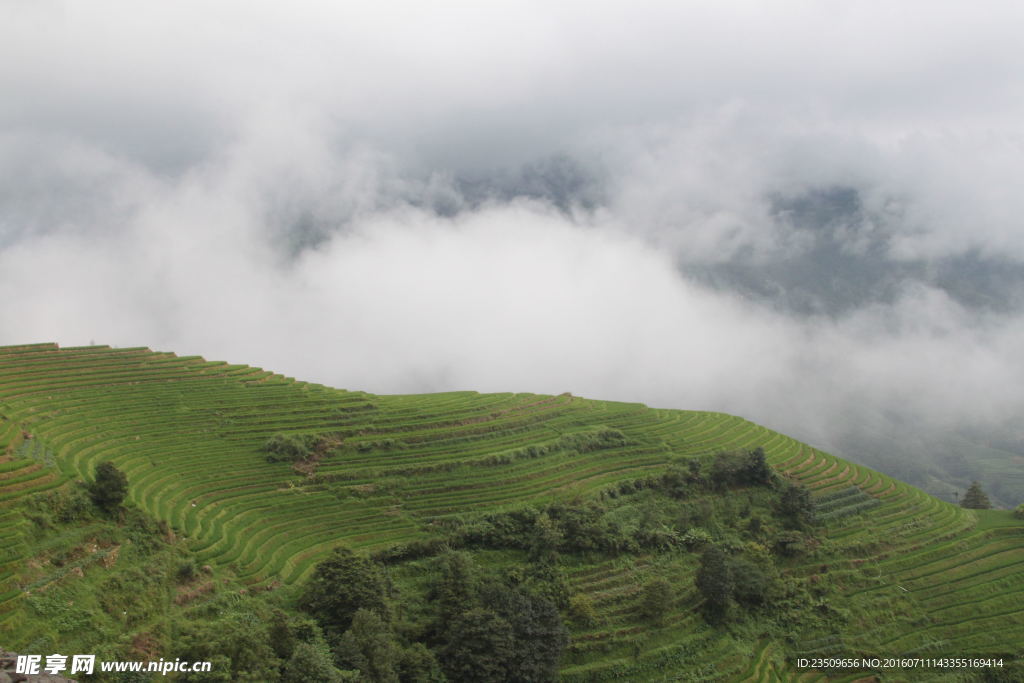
point(917, 575)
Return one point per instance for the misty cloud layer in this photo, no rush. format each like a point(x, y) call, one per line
point(805, 214)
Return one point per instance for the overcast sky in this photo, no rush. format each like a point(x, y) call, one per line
point(805, 213)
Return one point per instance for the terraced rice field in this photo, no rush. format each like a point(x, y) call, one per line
point(188, 433)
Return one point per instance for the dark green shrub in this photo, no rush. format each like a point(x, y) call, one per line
point(287, 447)
point(581, 610)
point(187, 571)
point(753, 584)
point(795, 506)
point(656, 600)
point(457, 583)
point(417, 664)
point(754, 468)
point(754, 526)
point(975, 498)
point(67, 505)
point(490, 628)
point(233, 635)
point(340, 586)
point(715, 584)
point(313, 662)
point(109, 487)
point(675, 482)
point(792, 544)
point(740, 468)
point(368, 646)
point(478, 647)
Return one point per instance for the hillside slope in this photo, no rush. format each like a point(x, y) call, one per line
point(909, 574)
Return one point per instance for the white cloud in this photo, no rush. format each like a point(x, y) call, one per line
point(252, 182)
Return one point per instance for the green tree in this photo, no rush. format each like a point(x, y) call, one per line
point(548, 581)
point(545, 540)
point(491, 630)
point(755, 469)
point(656, 600)
point(715, 584)
point(975, 498)
point(754, 584)
point(234, 638)
point(673, 482)
point(724, 469)
point(581, 610)
point(286, 631)
point(479, 647)
point(369, 647)
point(109, 487)
point(1018, 512)
point(312, 662)
point(795, 506)
point(457, 587)
point(539, 636)
point(340, 586)
point(417, 664)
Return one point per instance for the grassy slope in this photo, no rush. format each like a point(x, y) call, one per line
point(917, 575)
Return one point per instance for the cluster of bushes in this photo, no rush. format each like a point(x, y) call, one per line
point(475, 626)
point(288, 447)
point(727, 469)
point(656, 599)
point(669, 515)
point(349, 598)
point(579, 528)
point(747, 579)
point(63, 506)
point(490, 628)
point(776, 519)
point(585, 442)
point(79, 502)
point(246, 639)
point(740, 468)
point(296, 447)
